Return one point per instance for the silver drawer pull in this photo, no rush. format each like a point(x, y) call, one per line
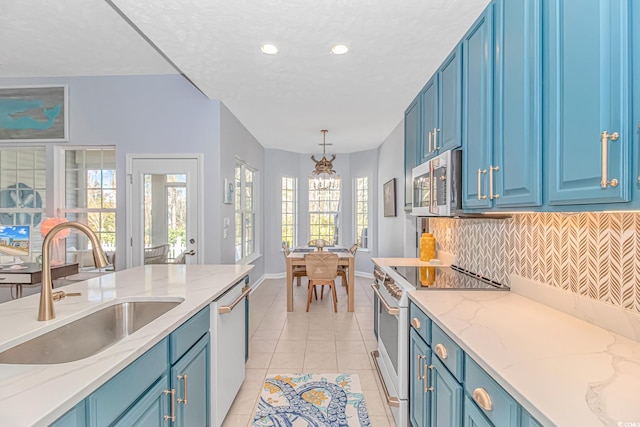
point(482, 398)
point(441, 351)
point(415, 322)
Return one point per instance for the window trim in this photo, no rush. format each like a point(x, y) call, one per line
point(247, 258)
point(355, 213)
point(294, 202)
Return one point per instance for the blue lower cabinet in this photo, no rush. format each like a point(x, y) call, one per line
point(446, 403)
point(153, 409)
point(526, 420)
point(75, 417)
point(473, 417)
point(189, 379)
point(420, 360)
point(109, 402)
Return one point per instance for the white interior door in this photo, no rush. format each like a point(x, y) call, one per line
point(163, 209)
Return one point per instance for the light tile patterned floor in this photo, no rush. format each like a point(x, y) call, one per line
point(318, 341)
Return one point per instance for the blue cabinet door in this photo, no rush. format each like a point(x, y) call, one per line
point(635, 123)
point(526, 420)
point(449, 132)
point(446, 398)
point(587, 92)
point(420, 359)
point(411, 135)
point(473, 417)
point(517, 110)
point(189, 378)
point(477, 106)
point(150, 410)
point(429, 101)
point(75, 417)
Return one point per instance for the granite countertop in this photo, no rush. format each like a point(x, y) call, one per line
point(36, 395)
point(563, 370)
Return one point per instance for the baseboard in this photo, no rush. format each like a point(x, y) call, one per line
point(258, 282)
point(363, 274)
point(284, 275)
point(275, 275)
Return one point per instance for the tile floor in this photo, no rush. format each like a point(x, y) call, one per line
point(318, 341)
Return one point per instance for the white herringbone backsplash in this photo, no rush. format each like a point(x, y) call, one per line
point(596, 255)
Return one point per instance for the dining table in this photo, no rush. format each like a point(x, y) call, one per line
point(345, 258)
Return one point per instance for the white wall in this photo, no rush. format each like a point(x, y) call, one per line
point(391, 230)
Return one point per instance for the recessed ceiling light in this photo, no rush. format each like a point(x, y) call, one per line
point(269, 49)
point(340, 49)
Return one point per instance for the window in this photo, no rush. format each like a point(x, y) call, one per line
point(23, 187)
point(90, 195)
point(324, 213)
point(245, 207)
point(289, 210)
point(362, 212)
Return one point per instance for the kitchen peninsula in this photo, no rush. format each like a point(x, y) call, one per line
point(37, 395)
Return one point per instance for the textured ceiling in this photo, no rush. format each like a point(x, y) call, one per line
point(283, 100)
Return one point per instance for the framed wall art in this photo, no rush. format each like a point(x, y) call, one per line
point(34, 114)
point(389, 197)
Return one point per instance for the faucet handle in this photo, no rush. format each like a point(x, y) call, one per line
point(60, 295)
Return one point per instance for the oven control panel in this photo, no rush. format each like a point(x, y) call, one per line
point(387, 282)
point(393, 289)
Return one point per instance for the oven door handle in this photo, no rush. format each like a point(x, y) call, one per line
point(391, 310)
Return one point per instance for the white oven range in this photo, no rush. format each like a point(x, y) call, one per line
point(391, 322)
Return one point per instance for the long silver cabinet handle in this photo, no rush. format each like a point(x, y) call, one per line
point(429, 150)
point(391, 310)
point(435, 139)
point(605, 137)
point(227, 308)
point(425, 378)
point(492, 195)
point(480, 173)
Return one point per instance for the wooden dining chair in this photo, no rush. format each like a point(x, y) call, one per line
point(322, 269)
point(299, 271)
point(343, 270)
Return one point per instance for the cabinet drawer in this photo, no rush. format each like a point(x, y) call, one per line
point(113, 398)
point(183, 338)
point(502, 409)
point(447, 351)
point(420, 322)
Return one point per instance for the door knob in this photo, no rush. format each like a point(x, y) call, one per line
point(191, 252)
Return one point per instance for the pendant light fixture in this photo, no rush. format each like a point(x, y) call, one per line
point(323, 177)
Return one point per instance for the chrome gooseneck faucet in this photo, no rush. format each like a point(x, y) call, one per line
point(47, 296)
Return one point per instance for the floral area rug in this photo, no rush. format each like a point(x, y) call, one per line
point(315, 400)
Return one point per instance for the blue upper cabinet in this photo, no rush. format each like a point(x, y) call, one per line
point(448, 134)
point(517, 109)
point(502, 102)
point(476, 112)
point(411, 135)
point(587, 100)
point(441, 100)
point(429, 119)
point(635, 124)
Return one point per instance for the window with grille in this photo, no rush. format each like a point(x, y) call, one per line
point(324, 213)
point(90, 195)
point(245, 211)
point(23, 186)
point(362, 212)
point(289, 210)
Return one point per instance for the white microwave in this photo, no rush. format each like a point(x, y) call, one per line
point(437, 185)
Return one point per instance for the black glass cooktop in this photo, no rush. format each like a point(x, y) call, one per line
point(446, 278)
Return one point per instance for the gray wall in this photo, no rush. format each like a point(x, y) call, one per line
point(391, 230)
point(236, 142)
point(365, 163)
point(159, 114)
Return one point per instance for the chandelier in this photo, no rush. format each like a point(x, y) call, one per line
point(323, 177)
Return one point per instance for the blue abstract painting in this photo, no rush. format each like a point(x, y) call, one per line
point(33, 114)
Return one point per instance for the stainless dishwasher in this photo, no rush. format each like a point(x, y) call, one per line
point(229, 346)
